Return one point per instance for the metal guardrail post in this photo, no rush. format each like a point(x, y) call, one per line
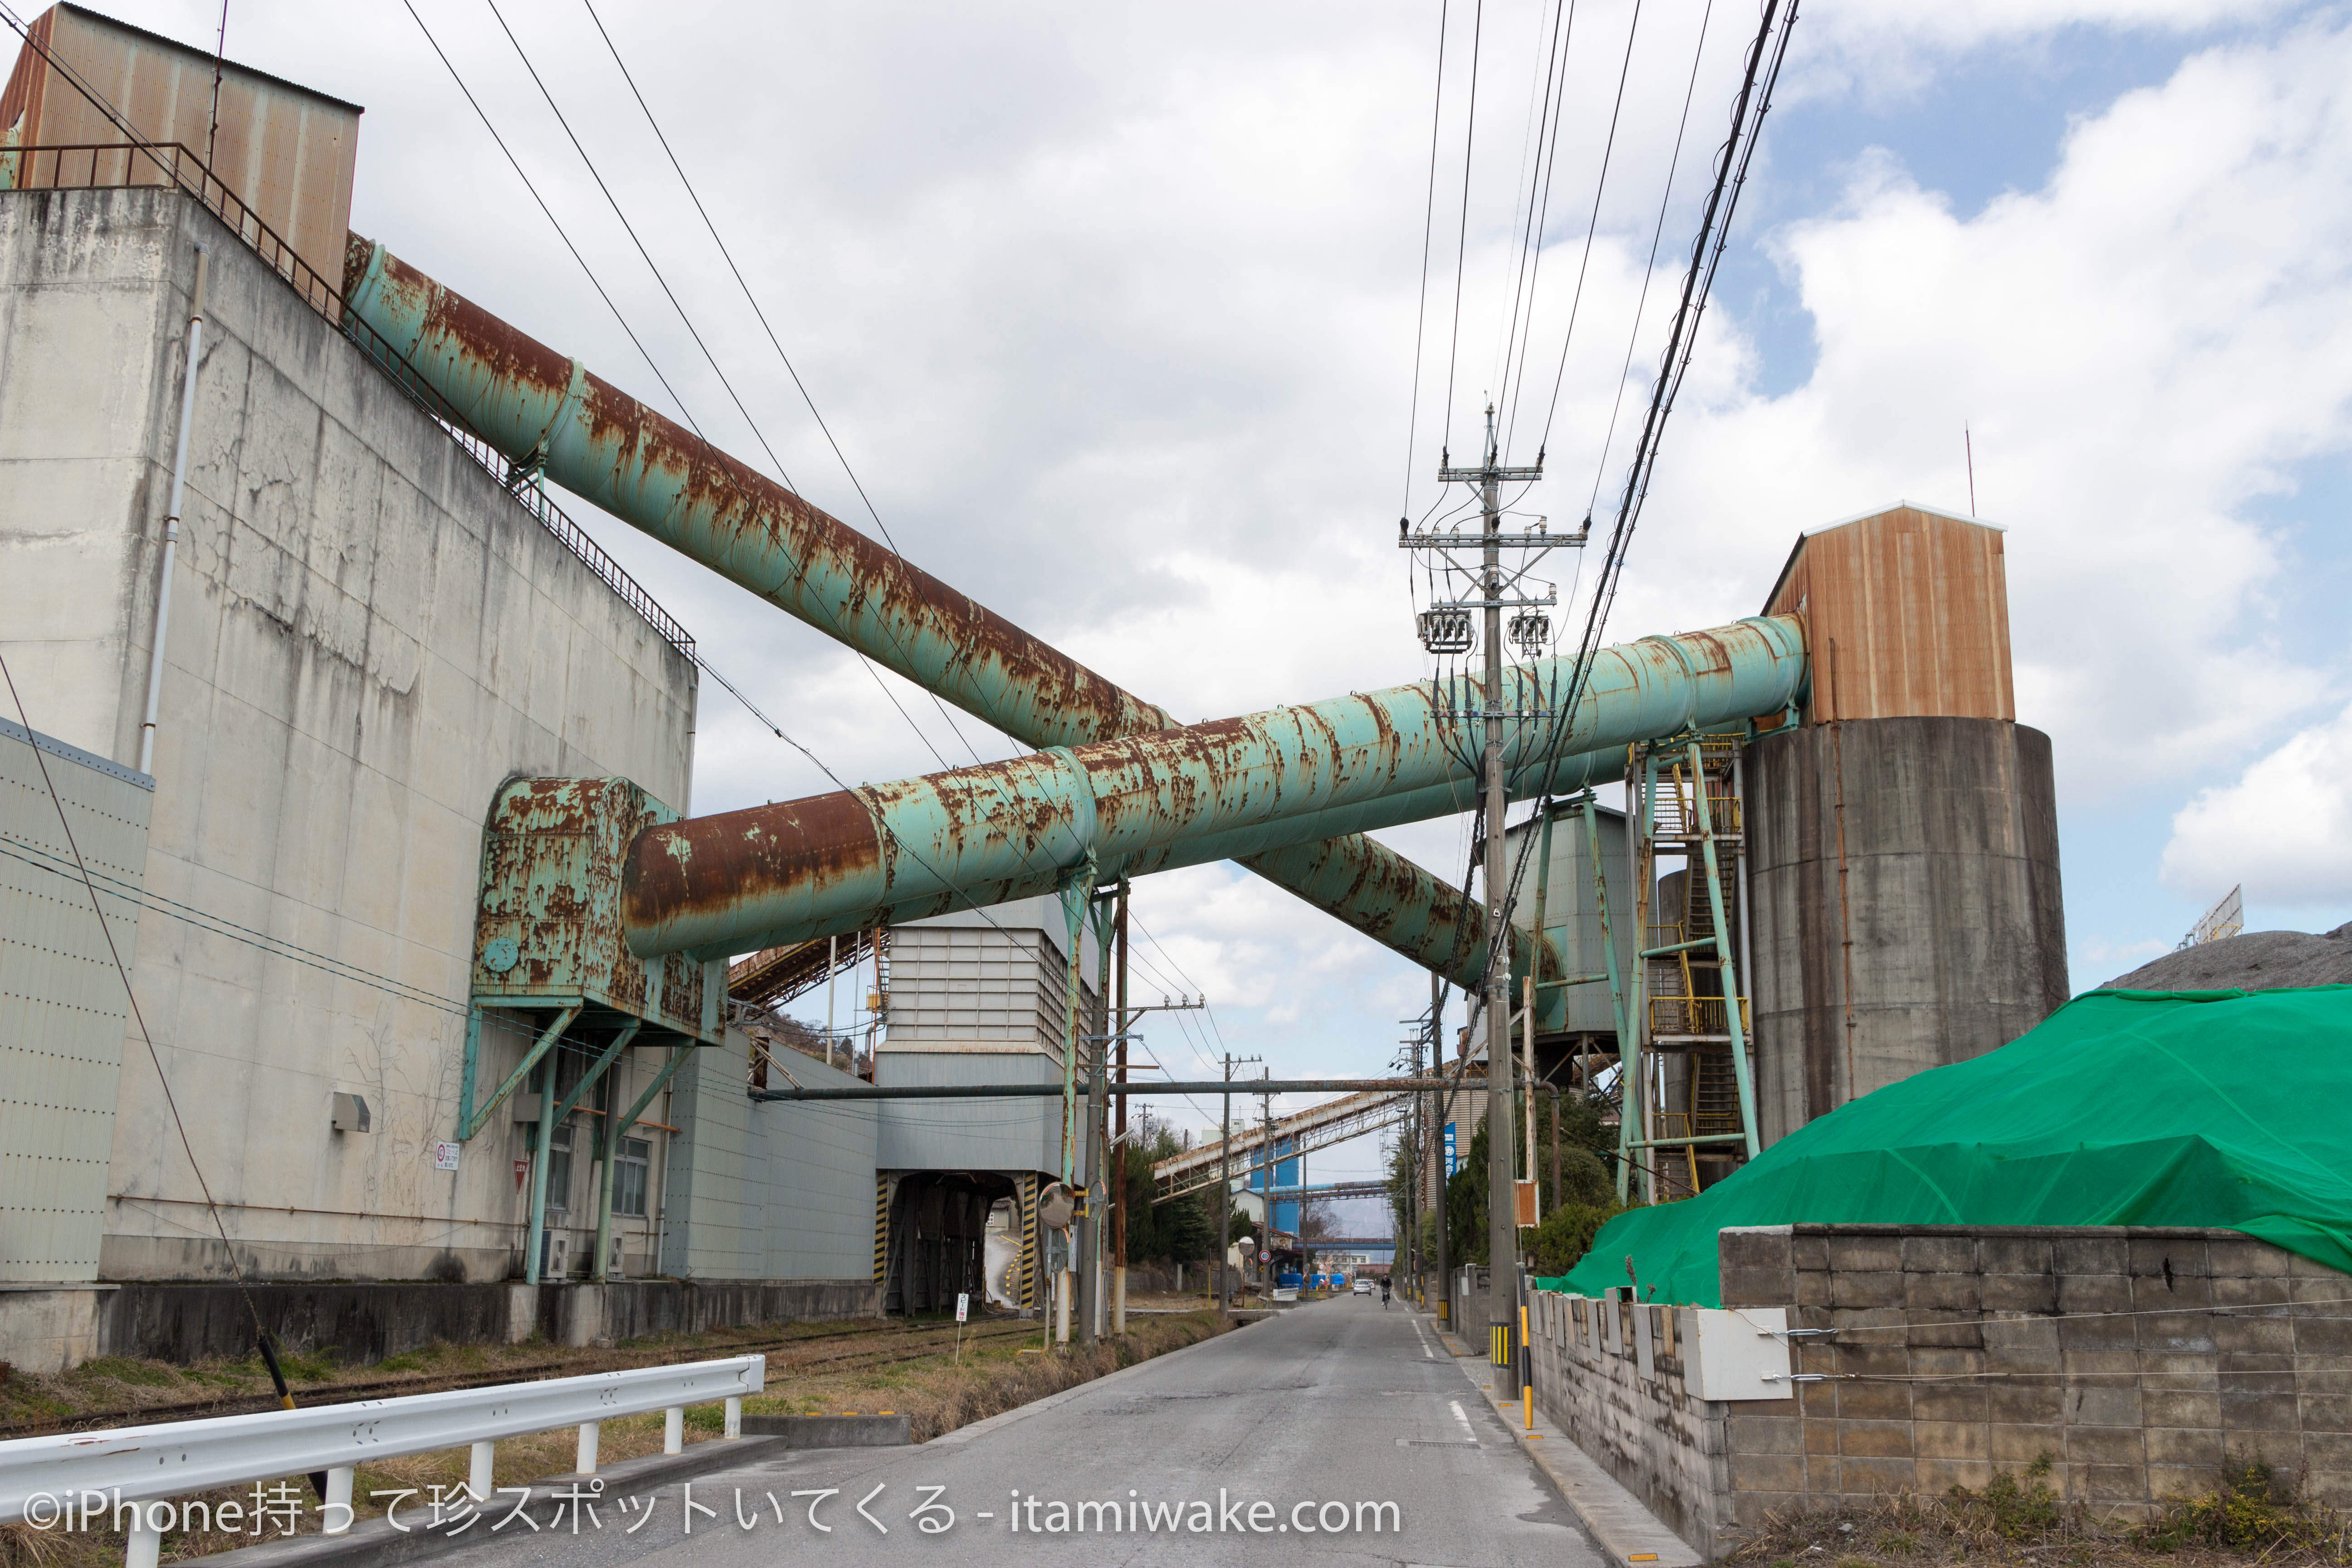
point(144, 1465)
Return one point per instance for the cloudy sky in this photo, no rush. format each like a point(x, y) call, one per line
point(1113, 310)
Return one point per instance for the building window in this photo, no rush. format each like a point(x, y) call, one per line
point(631, 1174)
point(559, 1169)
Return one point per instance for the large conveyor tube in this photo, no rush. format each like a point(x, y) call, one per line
point(985, 834)
point(542, 409)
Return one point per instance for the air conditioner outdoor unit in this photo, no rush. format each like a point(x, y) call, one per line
point(613, 1264)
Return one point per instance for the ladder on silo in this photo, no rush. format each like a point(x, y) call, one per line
point(1688, 1008)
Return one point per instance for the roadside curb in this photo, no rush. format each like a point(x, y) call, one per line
point(884, 1431)
point(378, 1543)
point(1629, 1532)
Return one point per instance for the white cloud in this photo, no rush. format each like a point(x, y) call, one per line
point(2284, 829)
point(1879, 48)
point(2143, 348)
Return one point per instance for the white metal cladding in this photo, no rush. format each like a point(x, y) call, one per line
point(1006, 1135)
point(63, 1011)
point(979, 987)
point(132, 1464)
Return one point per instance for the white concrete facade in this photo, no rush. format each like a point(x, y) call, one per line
point(367, 638)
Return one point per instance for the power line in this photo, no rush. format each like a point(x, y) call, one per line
point(1428, 223)
point(1593, 224)
point(630, 229)
point(1462, 234)
point(680, 403)
point(1539, 211)
point(773, 340)
point(1740, 147)
point(1535, 270)
point(1650, 267)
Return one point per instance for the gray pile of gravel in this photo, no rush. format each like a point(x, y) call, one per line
point(2256, 961)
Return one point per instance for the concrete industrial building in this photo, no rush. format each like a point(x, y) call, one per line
point(407, 889)
point(368, 634)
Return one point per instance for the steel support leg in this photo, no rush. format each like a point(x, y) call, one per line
point(1730, 966)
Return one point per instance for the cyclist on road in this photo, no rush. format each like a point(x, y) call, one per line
point(1384, 1294)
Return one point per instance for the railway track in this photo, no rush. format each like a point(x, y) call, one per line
point(910, 1343)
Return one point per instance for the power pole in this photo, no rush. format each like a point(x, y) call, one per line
point(1446, 1316)
point(1225, 1193)
point(1225, 1201)
point(1265, 1189)
point(1445, 628)
point(1118, 1189)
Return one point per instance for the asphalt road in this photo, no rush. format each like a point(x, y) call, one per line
point(1339, 1432)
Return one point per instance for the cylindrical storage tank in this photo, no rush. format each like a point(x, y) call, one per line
point(1905, 903)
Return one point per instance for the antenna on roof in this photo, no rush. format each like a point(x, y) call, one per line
point(1968, 445)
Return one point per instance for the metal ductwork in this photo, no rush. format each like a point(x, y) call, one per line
point(981, 836)
point(547, 412)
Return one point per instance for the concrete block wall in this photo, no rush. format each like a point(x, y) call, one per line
point(2137, 1359)
point(2098, 1346)
point(1610, 1374)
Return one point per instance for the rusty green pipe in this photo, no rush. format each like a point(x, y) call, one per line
point(543, 410)
point(1006, 830)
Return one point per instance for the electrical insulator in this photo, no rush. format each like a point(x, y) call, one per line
point(1530, 632)
point(1445, 631)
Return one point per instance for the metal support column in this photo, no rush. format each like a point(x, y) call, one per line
point(1731, 993)
point(1616, 987)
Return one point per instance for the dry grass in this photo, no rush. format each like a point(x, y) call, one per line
point(2249, 1518)
point(940, 1392)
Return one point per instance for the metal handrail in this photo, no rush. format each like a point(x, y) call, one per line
point(141, 1465)
point(23, 169)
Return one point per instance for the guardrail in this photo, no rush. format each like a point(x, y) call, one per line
point(141, 1465)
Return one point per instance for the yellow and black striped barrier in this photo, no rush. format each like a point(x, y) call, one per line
point(1502, 1346)
point(1029, 1242)
point(881, 1227)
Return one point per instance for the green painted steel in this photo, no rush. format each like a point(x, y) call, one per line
point(2219, 1108)
point(548, 927)
point(975, 836)
point(548, 414)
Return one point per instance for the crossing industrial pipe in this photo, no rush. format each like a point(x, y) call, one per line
point(548, 412)
point(981, 836)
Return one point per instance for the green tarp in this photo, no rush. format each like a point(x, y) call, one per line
point(2226, 1109)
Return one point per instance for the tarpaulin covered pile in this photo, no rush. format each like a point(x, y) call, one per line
point(2223, 1108)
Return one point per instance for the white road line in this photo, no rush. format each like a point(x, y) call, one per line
point(1423, 1336)
point(1470, 1431)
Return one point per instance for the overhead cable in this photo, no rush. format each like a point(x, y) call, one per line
point(630, 229)
point(1428, 222)
point(1462, 232)
point(684, 412)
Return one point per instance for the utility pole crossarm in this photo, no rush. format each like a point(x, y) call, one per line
point(1487, 473)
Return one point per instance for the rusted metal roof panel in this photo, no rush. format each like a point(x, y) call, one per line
point(289, 151)
point(1908, 614)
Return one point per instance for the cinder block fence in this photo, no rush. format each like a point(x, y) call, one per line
point(1924, 1357)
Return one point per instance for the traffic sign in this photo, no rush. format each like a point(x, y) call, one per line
point(1265, 1257)
point(963, 1305)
